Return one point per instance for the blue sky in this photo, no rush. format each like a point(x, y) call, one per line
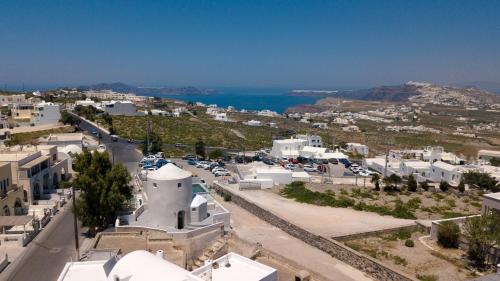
point(311, 44)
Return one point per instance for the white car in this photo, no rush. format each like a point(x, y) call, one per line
point(218, 169)
point(290, 167)
point(205, 166)
point(222, 173)
point(201, 164)
point(309, 168)
point(150, 157)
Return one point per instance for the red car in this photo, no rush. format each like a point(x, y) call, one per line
point(293, 161)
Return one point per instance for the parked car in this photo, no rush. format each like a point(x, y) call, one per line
point(222, 173)
point(355, 168)
point(217, 168)
point(365, 173)
point(191, 162)
point(188, 156)
point(114, 138)
point(130, 141)
point(94, 132)
point(309, 168)
point(267, 161)
point(150, 157)
point(290, 167)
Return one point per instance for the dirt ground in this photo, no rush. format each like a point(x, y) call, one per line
point(433, 204)
point(420, 260)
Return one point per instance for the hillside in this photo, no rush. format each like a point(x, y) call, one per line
point(415, 92)
point(124, 88)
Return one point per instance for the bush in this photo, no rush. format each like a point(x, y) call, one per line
point(427, 277)
point(424, 185)
point(461, 186)
point(409, 243)
point(444, 186)
point(448, 234)
point(227, 197)
point(412, 184)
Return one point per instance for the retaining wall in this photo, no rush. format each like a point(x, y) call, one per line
point(334, 248)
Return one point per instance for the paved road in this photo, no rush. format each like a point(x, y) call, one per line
point(45, 256)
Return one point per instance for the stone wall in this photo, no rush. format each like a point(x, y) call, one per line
point(411, 228)
point(336, 249)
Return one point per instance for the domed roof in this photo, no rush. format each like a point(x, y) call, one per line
point(169, 172)
point(198, 201)
point(144, 266)
point(74, 149)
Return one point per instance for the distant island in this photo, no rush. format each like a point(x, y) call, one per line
point(147, 91)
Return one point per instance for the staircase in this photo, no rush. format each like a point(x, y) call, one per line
point(210, 252)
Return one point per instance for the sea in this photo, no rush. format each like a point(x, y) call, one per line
point(250, 99)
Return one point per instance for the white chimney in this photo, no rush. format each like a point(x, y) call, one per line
point(160, 254)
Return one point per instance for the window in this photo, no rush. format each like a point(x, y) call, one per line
point(442, 174)
point(179, 184)
point(155, 185)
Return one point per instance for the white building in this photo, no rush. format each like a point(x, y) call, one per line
point(414, 167)
point(145, 266)
point(357, 148)
point(320, 125)
point(170, 204)
point(87, 102)
point(119, 108)
point(255, 123)
point(169, 193)
point(312, 140)
point(221, 117)
point(491, 202)
point(442, 171)
point(63, 140)
point(288, 148)
point(487, 155)
point(267, 113)
point(46, 113)
point(378, 164)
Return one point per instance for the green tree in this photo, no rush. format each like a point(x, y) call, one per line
point(155, 143)
point(69, 119)
point(448, 234)
point(108, 119)
point(392, 181)
point(482, 233)
point(461, 186)
point(199, 148)
point(444, 186)
point(495, 161)
point(481, 181)
point(376, 181)
point(104, 188)
point(216, 154)
point(412, 183)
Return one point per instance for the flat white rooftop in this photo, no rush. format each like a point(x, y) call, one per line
point(84, 271)
point(234, 267)
point(494, 196)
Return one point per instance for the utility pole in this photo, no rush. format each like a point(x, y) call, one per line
point(388, 143)
point(148, 131)
point(75, 224)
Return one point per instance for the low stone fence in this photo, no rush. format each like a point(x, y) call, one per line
point(334, 248)
point(411, 228)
